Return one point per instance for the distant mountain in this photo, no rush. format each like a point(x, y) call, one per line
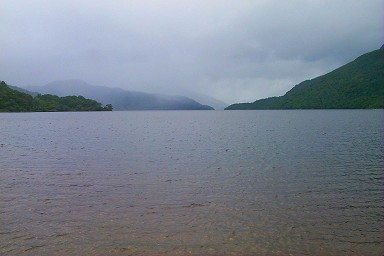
point(356, 85)
point(19, 100)
point(205, 99)
point(119, 98)
point(22, 90)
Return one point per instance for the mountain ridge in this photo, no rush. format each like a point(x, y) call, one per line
point(120, 99)
point(358, 84)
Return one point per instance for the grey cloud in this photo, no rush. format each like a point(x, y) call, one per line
point(232, 50)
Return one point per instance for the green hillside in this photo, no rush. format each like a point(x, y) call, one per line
point(15, 101)
point(356, 85)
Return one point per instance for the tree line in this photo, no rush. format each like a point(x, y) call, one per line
point(15, 101)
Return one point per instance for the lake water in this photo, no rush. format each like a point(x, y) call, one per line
point(192, 182)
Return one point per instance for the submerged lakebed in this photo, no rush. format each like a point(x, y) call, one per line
point(192, 182)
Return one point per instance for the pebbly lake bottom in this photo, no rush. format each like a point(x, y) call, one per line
point(192, 182)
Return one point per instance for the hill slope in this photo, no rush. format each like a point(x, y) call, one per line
point(119, 98)
point(356, 85)
point(16, 101)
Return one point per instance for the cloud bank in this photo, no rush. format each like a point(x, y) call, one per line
point(236, 51)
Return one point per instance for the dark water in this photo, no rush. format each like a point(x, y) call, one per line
point(190, 182)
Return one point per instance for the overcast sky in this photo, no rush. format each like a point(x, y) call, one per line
point(235, 51)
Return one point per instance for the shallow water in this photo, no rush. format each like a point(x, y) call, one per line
point(192, 182)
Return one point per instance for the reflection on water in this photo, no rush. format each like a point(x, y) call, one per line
point(190, 182)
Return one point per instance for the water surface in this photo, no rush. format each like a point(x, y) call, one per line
point(192, 182)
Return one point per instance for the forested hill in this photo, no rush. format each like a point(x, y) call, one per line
point(356, 85)
point(15, 101)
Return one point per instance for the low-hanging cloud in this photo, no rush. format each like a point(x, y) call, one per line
point(232, 50)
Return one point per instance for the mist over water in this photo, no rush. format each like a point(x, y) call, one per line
point(192, 182)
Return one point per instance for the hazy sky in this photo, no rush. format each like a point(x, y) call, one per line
point(236, 51)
